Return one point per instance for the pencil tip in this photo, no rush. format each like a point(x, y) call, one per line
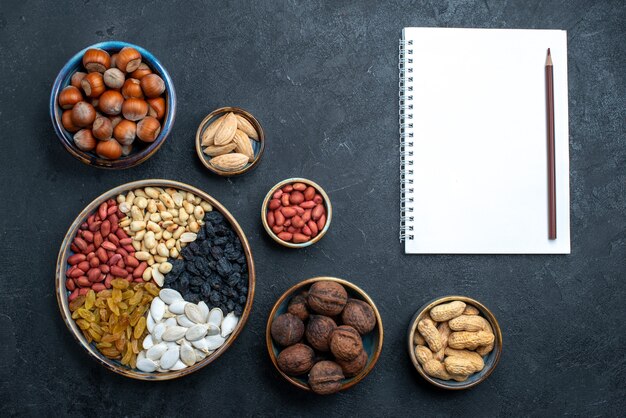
point(549, 58)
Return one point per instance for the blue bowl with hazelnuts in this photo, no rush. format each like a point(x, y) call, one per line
point(324, 335)
point(113, 105)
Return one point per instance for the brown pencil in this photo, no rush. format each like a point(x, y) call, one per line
point(551, 168)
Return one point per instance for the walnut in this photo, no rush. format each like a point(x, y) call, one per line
point(327, 298)
point(353, 367)
point(325, 377)
point(287, 329)
point(345, 343)
point(298, 307)
point(296, 359)
point(359, 315)
point(318, 331)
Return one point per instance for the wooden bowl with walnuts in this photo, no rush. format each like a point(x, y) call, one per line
point(324, 335)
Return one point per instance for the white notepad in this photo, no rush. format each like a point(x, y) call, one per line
point(474, 145)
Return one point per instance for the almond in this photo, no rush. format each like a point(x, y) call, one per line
point(209, 133)
point(243, 145)
point(226, 131)
point(230, 162)
point(215, 150)
point(244, 125)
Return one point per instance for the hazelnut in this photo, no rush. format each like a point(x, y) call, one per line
point(298, 307)
point(327, 298)
point(296, 359)
point(287, 329)
point(345, 343)
point(319, 330)
point(353, 367)
point(325, 377)
point(359, 315)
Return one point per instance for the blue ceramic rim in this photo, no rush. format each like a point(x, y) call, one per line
point(63, 79)
point(491, 360)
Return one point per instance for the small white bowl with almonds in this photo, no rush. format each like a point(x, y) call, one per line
point(454, 342)
point(230, 141)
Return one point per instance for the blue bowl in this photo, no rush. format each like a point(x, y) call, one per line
point(140, 152)
point(372, 342)
point(491, 359)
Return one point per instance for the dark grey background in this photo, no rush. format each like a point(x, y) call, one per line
point(322, 79)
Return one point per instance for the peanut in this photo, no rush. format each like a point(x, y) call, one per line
point(471, 356)
point(486, 349)
point(430, 333)
point(469, 323)
point(459, 366)
point(423, 354)
point(471, 310)
point(418, 339)
point(436, 369)
point(470, 340)
point(444, 332)
point(447, 311)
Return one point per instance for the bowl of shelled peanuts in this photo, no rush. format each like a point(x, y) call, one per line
point(454, 342)
point(113, 105)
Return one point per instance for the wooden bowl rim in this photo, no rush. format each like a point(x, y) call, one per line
point(251, 119)
point(131, 160)
point(62, 297)
point(327, 204)
point(486, 313)
point(288, 293)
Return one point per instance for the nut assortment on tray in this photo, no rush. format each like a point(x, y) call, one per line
point(156, 278)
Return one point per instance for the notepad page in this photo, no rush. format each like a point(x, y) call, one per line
point(479, 163)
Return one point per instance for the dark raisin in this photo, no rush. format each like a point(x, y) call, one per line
point(224, 267)
point(233, 279)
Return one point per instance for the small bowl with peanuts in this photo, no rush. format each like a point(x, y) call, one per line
point(454, 342)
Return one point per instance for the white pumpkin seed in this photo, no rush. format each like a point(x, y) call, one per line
point(168, 314)
point(201, 345)
point(183, 321)
point(213, 330)
point(178, 307)
point(170, 296)
point(146, 365)
point(200, 355)
point(171, 344)
point(204, 310)
point(174, 333)
point(170, 358)
point(147, 342)
point(156, 351)
point(179, 365)
point(142, 354)
point(171, 322)
point(159, 329)
point(196, 332)
point(150, 324)
point(193, 313)
point(187, 354)
point(214, 341)
point(216, 316)
point(229, 324)
point(157, 309)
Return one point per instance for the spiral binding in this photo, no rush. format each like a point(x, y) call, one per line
point(405, 104)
